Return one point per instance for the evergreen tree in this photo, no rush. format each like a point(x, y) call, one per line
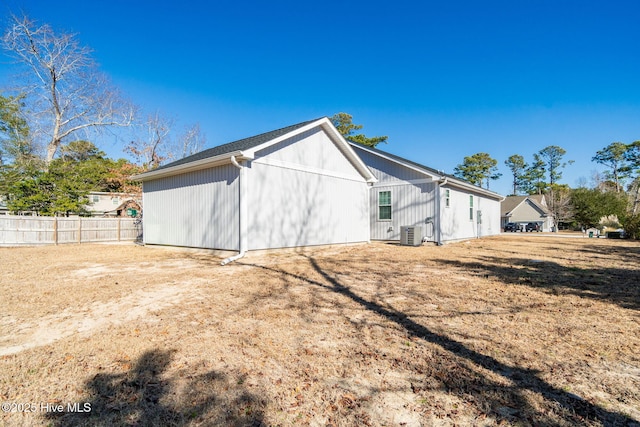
point(344, 124)
point(518, 168)
point(613, 156)
point(478, 169)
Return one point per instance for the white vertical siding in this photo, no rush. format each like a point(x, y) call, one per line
point(411, 204)
point(422, 204)
point(196, 209)
point(490, 216)
point(386, 170)
point(312, 150)
point(290, 208)
point(456, 223)
point(304, 192)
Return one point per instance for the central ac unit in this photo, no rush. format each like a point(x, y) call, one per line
point(411, 235)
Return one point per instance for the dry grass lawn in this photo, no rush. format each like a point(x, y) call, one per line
point(510, 330)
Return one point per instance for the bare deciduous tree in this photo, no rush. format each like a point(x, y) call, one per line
point(559, 203)
point(155, 142)
point(65, 90)
point(192, 141)
point(153, 146)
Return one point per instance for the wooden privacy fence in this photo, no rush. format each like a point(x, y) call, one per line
point(32, 230)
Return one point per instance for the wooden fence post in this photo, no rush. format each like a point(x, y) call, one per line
point(55, 230)
point(79, 229)
point(119, 228)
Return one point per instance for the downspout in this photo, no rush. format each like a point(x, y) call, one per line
point(241, 213)
point(441, 182)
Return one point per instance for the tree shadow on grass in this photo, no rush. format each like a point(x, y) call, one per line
point(616, 285)
point(504, 402)
point(626, 253)
point(144, 396)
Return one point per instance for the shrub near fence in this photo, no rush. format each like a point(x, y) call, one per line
point(35, 230)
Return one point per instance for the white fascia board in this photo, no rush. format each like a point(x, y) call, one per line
point(408, 182)
point(406, 165)
point(536, 206)
point(349, 151)
point(281, 138)
point(326, 124)
point(192, 166)
point(467, 186)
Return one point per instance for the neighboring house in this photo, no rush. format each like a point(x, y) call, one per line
point(296, 186)
point(410, 194)
point(525, 209)
point(111, 204)
point(4, 210)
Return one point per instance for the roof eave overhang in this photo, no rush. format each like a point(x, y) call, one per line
point(250, 154)
point(391, 159)
point(193, 166)
point(475, 188)
point(449, 180)
point(348, 151)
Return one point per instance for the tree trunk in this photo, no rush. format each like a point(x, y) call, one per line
point(52, 148)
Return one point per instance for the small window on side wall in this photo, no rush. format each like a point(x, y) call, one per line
point(447, 198)
point(470, 207)
point(384, 206)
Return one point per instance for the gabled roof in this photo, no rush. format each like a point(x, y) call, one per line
point(430, 172)
point(245, 149)
point(239, 145)
point(510, 203)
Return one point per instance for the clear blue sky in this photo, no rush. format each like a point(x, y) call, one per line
point(442, 79)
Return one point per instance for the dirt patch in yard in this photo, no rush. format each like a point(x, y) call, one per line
point(512, 330)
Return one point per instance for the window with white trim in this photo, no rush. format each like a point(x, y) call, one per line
point(470, 207)
point(447, 198)
point(384, 206)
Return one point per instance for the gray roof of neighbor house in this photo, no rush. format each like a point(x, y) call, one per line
point(512, 202)
point(239, 145)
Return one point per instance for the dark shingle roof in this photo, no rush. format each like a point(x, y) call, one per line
point(418, 165)
point(401, 159)
point(242, 144)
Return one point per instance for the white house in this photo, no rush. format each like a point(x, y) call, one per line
point(297, 186)
point(410, 194)
point(306, 185)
